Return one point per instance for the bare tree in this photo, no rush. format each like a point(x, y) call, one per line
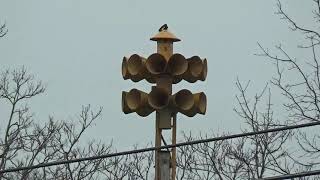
point(141, 166)
point(266, 153)
point(301, 93)
point(207, 160)
point(3, 30)
point(242, 158)
point(25, 142)
point(131, 167)
point(272, 153)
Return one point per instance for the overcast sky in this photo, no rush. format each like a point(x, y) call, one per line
point(76, 47)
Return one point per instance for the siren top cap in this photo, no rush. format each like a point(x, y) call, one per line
point(165, 35)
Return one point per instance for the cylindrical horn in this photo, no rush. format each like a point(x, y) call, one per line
point(136, 67)
point(138, 101)
point(158, 98)
point(204, 71)
point(124, 69)
point(200, 100)
point(145, 109)
point(124, 103)
point(177, 65)
point(195, 68)
point(183, 100)
point(133, 99)
point(199, 106)
point(156, 64)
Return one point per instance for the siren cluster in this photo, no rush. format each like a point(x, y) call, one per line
point(178, 68)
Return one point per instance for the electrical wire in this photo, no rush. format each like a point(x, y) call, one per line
point(296, 175)
point(54, 163)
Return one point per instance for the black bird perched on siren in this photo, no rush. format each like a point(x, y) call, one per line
point(163, 28)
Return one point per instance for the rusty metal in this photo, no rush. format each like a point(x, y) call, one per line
point(177, 65)
point(164, 69)
point(165, 36)
point(124, 69)
point(156, 64)
point(137, 101)
point(197, 69)
point(165, 48)
point(204, 71)
point(124, 104)
point(183, 100)
point(199, 106)
point(136, 67)
point(158, 98)
point(200, 101)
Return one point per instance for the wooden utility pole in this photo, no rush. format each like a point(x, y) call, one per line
point(174, 150)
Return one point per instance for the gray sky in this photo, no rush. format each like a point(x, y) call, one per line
point(76, 48)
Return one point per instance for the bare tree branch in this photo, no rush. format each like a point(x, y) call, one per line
point(3, 30)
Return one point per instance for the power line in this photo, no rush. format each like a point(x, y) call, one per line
point(296, 175)
point(161, 147)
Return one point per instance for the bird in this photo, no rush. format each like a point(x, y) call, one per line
point(163, 28)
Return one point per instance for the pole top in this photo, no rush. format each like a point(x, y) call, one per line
point(165, 35)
